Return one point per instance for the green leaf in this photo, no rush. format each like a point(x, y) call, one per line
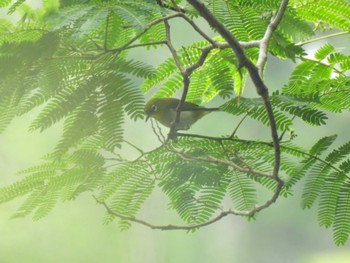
point(242, 192)
point(329, 199)
point(322, 145)
point(341, 226)
point(324, 51)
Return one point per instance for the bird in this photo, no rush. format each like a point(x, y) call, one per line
point(164, 111)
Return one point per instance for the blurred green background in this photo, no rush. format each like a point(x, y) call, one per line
point(74, 232)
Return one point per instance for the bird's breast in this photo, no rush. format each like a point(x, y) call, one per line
point(187, 118)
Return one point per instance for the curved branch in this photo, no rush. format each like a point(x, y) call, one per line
point(254, 74)
point(233, 43)
point(165, 227)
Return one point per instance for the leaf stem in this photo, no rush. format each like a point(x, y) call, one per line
point(323, 37)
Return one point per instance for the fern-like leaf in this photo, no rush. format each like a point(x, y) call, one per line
point(341, 226)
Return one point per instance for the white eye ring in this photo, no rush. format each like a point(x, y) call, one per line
point(154, 108)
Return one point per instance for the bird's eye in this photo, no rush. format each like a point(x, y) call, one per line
point(154, 108)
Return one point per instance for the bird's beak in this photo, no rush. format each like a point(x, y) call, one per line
point(147, 117)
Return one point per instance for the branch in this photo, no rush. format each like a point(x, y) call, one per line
point(185, 76)
point(116, 50)
point(165, 227)
point(305, 153)
point(239, 124)
point(211, 159)
point(323, 64)
point(199, 31)
point(205, 52)
point(264, 43)
point(172, 48)
point(131, 41)
point(323, 37)
point(186, 72)
point(233, 43)
point(254, 74)
point(319, 159)
point(217, 44)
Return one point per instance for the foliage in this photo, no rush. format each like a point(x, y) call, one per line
point(74, 60)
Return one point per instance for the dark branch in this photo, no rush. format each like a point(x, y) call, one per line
point(233, 43)
point(254, 74)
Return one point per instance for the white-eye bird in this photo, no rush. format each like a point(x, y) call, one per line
point(164, 111)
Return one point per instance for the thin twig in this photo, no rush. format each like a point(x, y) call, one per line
point(205, 52)
point(199, 31)
point(134, 146)
point(186, 54)
point(318, 159)
point(106, 33)
point(285, 130)
point(158, 133)
point(167, 227)
point(238, 125)
point(212, 159)
point(149, 26)
point(323, 37)
point(116, 50)
point(172, 48)
point(323, 64)
point(185, 76)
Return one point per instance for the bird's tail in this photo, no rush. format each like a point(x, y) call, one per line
point(212, 109)
point(203, 109)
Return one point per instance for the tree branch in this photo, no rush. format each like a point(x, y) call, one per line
point(256, 78)
point(165, 227)
point(233, 43)
point(199, 31)
point(264, 42)
point(305, 153)
point(186, 81)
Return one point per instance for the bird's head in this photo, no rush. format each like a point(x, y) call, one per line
point(157, 108)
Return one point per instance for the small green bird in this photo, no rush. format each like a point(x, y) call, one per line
point(164, 111)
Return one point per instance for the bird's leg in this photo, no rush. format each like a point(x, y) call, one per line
point(172, 135)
